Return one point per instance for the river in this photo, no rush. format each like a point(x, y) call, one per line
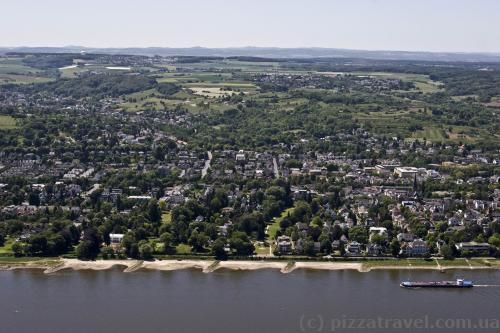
point(239, 301)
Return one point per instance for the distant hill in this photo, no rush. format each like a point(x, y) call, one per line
point(270, 52)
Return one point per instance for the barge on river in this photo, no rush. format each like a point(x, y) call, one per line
point(459, 283)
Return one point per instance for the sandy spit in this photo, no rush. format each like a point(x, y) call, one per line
point(97, 265)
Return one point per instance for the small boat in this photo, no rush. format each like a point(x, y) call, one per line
point(459, 283)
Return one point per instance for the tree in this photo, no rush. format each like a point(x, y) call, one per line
point(308, 246)
point(154, 212)
point(358, 234)
point(395, 247)
point(378, 239)
point(326, 243)
point(2, 239)
point(336, 232)
point(218, 249)
point(447, 252)
point(18, 249)
point(145, 250)
point(168, 243)
point(107, 252)
point(494, 240)
point(38, 244)
point(198, 240)
point(252, 223)
point(129, 243)
point(34, 199)
point(86, 250)
point(58, 244)
point(241, 243)
point(301, 212)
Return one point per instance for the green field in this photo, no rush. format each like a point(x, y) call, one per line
point(431, 133)
point(15, 66)
point(14, 71)
point(457, 133)
point(22, 79)
point(7, 122)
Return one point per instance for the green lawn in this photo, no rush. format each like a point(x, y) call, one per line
point(431, 263)
point(275, 224)
point(399, 263)
point(261, 250)
point(166, 218)
point(7, 122)
point(7, 248)
point(431, 133)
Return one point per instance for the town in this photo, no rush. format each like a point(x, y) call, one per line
point(141, 157)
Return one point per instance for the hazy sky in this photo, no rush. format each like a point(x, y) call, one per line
point(416, 25)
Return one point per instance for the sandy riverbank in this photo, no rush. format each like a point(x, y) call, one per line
point(97, 265)
point(207, 266)
point(332, 266)
point(172, 265)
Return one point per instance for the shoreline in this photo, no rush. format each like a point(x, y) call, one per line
point(207, 266)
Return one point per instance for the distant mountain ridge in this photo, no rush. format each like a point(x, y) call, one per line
point(270, 52)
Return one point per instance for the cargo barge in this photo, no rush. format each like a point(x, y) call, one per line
point(459, 283)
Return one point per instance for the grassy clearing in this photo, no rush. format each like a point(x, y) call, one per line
point(7, 122)
point(399, 263)
point(455, 262)
point(7, 247)
point(428, 87)
point(431, 133)
point(166, 218)
point(72, 72)
point(149, 99)
point(275, 224)
point(261, 250)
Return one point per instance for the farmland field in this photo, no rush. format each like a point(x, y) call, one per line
point(22, 79)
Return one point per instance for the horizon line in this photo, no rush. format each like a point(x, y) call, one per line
point(254, 47)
